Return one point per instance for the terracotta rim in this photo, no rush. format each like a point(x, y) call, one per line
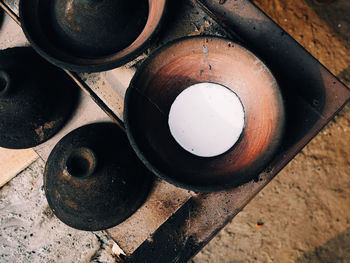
point(172, 170)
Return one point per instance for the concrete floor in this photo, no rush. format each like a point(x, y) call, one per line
point(305, 211)
point(303, 215)
point(29, 232)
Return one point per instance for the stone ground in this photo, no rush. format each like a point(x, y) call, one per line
point(31, 233)
point(305, 210)
point(302, 216)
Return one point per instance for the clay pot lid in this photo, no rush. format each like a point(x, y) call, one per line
point(90, 35)
point(174, 68)
point(33, 107)
point(93, 180)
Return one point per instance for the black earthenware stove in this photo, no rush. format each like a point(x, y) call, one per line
point(174, 224)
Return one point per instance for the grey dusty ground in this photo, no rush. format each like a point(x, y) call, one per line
point(302, 216)
point(29, 232)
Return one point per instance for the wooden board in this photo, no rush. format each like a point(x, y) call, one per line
point(13, 162)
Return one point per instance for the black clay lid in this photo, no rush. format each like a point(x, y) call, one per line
point(93, 179)
point(36, 98)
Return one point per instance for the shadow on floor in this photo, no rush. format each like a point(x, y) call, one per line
point(345, 75)
point(336, 250)
point(336, 15)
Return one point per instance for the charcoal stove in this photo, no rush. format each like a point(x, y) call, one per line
point(174, 224)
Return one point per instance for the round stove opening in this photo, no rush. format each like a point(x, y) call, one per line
point(207, 119)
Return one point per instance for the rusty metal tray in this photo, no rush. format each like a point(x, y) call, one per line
point(174, 224)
